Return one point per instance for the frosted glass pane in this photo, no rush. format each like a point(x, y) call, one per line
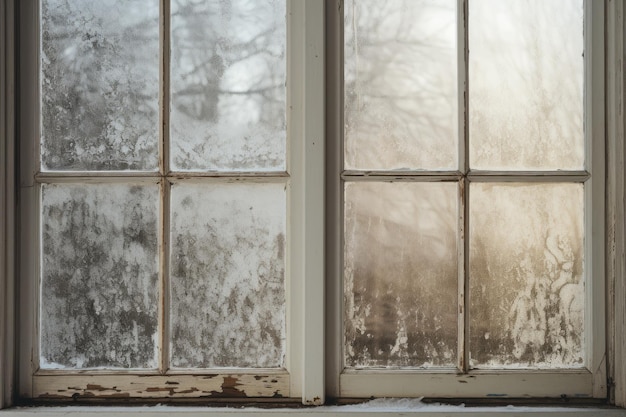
point(526, 84)
point(228, 275)
point(400, 274)
point(526, 275)
point(100, 85)
point(400, 84)
point(99, 291)
point(228, 73)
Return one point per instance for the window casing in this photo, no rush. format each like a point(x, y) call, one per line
point(309, 374)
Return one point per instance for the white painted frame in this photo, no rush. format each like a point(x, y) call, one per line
point(616, 194)
point(462, 381)
point(308, 199)
point(305, 199)
point(615, 227)
point(7, 202)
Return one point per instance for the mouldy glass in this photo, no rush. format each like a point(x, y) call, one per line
point(227, 268)
point(228, 76)
point(527, 285)
point(401, 103)
point(99, 283)
point(99, 85)
point(401, 274)
point(526, 74)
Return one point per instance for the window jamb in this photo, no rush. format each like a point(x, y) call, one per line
point(7, 201)
point(615, 230)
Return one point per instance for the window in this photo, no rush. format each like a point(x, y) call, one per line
point(467, 197)
point(357, 244)
point(179, 157)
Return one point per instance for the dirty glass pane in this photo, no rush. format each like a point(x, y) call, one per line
point(228, 74)
point(400, 84)
point(526, 275)
point(99, 290)
point(99, 85)
point(526, 84)
point(400, 274)
point(227, 270)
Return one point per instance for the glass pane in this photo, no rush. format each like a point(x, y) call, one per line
point(100, 85)
point(228, 275)
point(526, 275)
point(526, 74)
point(400, 84)
point(228, 78)
point(99, 291)
point(400, 274)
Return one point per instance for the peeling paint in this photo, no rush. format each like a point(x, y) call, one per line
point(159, 386)
point(229, 388)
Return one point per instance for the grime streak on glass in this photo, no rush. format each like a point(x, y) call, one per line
point(100, 84)
point(526, 73)
point(526, 275)
point(228, 75)
point(228, 275)
point(99, 290)
point(401, 274)
point(400, 84)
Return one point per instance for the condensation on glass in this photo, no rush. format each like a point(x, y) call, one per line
point(526, 275)
point(228, 76)
point(99, 85)
point(400, 84)
point(228, 275)
point(526, 74)
point(401, 274)
point(99, 280)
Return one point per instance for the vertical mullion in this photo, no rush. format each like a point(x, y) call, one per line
point(164, 101)
point(462, 65)
point(464, 186)
point(164, 299)
point(464, 295)
point(164, 96)
point(462, 268)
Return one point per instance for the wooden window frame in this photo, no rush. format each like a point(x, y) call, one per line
point(464, 382)
point(305, 101)
point(309, 380)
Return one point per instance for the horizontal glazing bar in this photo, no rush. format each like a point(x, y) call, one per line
point(399, 173)
point(45, 176)
point(148, 372)
point(529, 176)
point(153, 177)
point(476, 176)
point(233, 174)
point(227, 179)
point(97, 179)
point(419, 176)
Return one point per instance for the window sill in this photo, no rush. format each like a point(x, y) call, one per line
point(383, 407)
